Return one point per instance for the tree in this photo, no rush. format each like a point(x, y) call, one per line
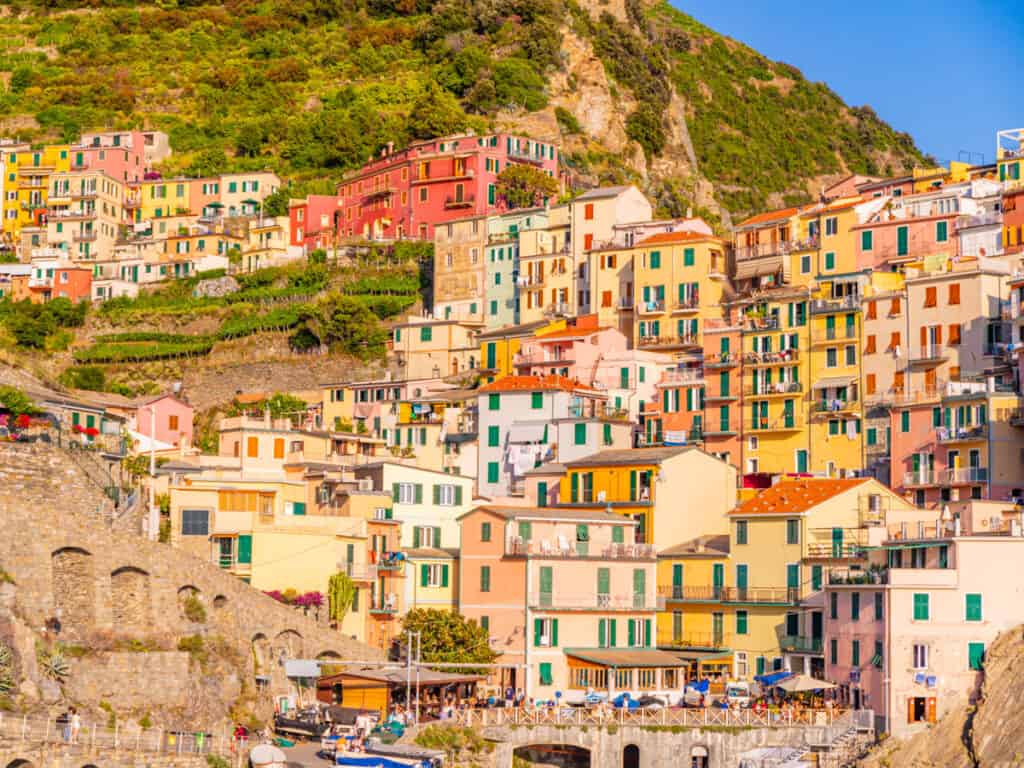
point(209, 162)
point(340, 593)
point(282, 404)
point(17, 402)
point(523, 186)
point(449, 637)
point(435, 113)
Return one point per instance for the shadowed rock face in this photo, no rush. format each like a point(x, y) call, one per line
point(989, 734)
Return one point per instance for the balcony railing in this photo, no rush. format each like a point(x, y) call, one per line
point(826, 306)
point(683, 377)
point(836, 550)
point(920, 478)
point(84, 237)
point(824, 335)
point(964, 475)
point(768, 323)
point(650, 307)
point(835, 406)
point(782, 357)
point(784, 424)
point(765, 250)
point(775, 388)
point(928, 354)
point(797, 644)
point(713, 594)
point(687, 340)
point(961, 434)
point(456, 202)
point(687, 304)
point(558, 308)
point(721, 360)
point(709, 640)
point(582, 601)
point(563, 547)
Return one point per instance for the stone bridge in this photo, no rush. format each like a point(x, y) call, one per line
point(671, 738)
point(69, 566)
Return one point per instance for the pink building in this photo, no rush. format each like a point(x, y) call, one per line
point(405, 193)
point(911, 228)
point(562, 592)
point(313, 221)
point(907, 636)
point(172, 417)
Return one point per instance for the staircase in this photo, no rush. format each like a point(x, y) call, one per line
point(844, 744)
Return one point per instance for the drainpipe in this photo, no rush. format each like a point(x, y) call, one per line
point(527, 667)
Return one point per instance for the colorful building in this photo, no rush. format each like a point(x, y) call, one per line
point(426, 348)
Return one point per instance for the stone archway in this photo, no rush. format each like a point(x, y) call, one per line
point(289, 641)
point(74, 588)
point(20, 763)
point(561, 755)
point(260, 654)
point(631, 756)
point(220, 601)
point(129, 598)
point(698, 756)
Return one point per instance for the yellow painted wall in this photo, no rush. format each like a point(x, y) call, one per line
point(337, 410)
point(830, 441)
point(168, 196)
point(22, 165)
point(443, 598)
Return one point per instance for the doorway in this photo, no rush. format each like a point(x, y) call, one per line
point(631, 756)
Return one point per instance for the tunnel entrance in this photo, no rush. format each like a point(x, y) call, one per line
point(561, 755)
point(631, 756)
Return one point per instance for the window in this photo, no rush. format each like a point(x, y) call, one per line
point(805, 264)
point(866, 240)
point(920, 660)
point(741, 622)
point(855, 653)
point(833, 606)
point(975, 655)
point(872, 433)
point(580, 434)
point(878, 606)
point(920, 606)
point(485, 531)
point(537, 400)
point(588, 211)
point(830, 261)
point(433, 575)
point(904, 421)
point(493, 402)
point(954, 334)
point(278, 447)
point(252, 447)
point(485, 578)
point(493, 436)
point(931, 296)
point(941, 231)
point(741, 531)
point(831, 226)
point(870, 383)
point(792, 531)
point(855, 606)
point(851, 354)
point(655, 260)
point(426, 334)
point(833, 651)
point(954, 293)
point(492, 472)
point(973, 607)
point(869, 346)
point(407, 493)
point(545, 633)
point(831, 357)
point(195, 522)
point(448, 495)
point(688, 257)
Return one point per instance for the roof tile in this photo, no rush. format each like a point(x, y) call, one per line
point(796, 496)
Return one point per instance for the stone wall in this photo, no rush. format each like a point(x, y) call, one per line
point(69, 566)
point(103, 677)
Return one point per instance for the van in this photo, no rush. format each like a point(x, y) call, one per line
point(737, 693)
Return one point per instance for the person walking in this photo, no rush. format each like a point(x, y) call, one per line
point(76, 725)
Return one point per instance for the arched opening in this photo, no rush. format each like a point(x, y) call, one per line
point(129, 598)
point(74, 590)
point(260, 654)
point(699, 757)
point(187, 591)
point(631, 756)
point(562, 755)
point(220, 602)
point(328, 655)
point(288, 645)
point(19, 763)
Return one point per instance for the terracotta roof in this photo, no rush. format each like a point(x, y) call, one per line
point(533, 384)
point(794, 497)
point(625, 456)
point(704, 546)
point(783, 213)
point(551, 513)
point(667, 238)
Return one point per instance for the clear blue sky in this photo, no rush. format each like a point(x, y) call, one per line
point(950, 74)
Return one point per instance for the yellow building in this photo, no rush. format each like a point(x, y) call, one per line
point(775, 382)
point(26, 183)
point(337, 407)
point(612, 283)
point(499, 347)
point(836, 407)
point(433, 582)
point(825, 245)
point(692, 617)
point(657, 488)
point(161, 198)
point(546, 268)
point(679, 282)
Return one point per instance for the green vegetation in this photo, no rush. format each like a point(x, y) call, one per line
point(523, 186)
point(34, 326)
point(194, 609)
point(311, 89)
point(17, 402)
point(460, 745)
point(449, 637)
point(341, 590)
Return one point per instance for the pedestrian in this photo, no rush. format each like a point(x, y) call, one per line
point(64, 721)
point(76, 725)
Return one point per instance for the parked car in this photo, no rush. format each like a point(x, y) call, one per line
point(737, 692)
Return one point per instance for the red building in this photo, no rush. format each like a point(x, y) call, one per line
point(406, 193)
point(313, 221)
point(73, 283)
point(1013, 220)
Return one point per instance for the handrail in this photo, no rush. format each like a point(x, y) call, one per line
point(689, 718)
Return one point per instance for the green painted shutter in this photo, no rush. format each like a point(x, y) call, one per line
point(603, 581)
point(437, 493)
point(444, 575)
point(419, 493)
point(631, 633)
point(647, 633)
point(245, 548)
point(574, 487)
point(975, 655)
point(485, 578)
point(611, 633)
point(424, 575)
point(415, 537)
point(632, 485)
point(394, 492)
point(602, 633)
point(618, 535)
point(542, 494)
point(554, 633)
point(973, 607)
point(458, 495)
point(538, 630)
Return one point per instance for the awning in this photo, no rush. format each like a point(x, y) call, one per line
point(613, 657)
point(705, 656)
point(420, 408)
point(526, 433)
point(301, 668)
point(758, 267)
point(215, 205)
point(773, 678)
point(250, 201)
point(835, 381)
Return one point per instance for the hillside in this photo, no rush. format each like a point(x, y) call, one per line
point(633, 88)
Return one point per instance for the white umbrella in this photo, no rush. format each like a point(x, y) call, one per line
point(267, 755)
point(801, 683)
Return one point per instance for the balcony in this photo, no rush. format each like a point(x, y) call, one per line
point(782, 357)
point(946, 436)
point(920, 479)
point(720, 397)
point(857, 576)
point(626, 302)
point(453, 203)
point(84, 237)
point(66, 215)
point(379, 192)
point(1017, 417)
point(538, 357)
point(721, 360)
point(842, 304)
point(564, 548)
point(722, 430)
point(964, 476)
point(931, 354)
point(713, 594)
point(704, 640)
point(651, 307)
point(775, 389)
point(686, 306)
point(683, 377)
point(383, 610)
point(669, 342)
point(582, 601)
point(769, 323)
point(838, 407)
point(783, 424)
point(765, 250)
point(84, 194)
point(557, 308)
point(797, 644)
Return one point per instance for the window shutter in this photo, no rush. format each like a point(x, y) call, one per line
point(444, 575)
point(245, 549)
point(394, 492)
point(601, 633)
point(631, 633)
point(419, 493)
point(554, 633)
point(437, 536)
point(437, 494)
point(538, 628)
point(415, 538)
point(458, 495)
point(611, 633)
point(632, 486)
point(647, 633)
point(424, 575)
point(574, 482)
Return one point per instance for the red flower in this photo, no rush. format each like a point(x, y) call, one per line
point(92, 431)
point(78, 429)
point(23, 421)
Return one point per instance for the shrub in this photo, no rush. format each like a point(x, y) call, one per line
point(194, 609)
point(567, 120)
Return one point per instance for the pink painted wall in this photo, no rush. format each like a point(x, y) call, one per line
point(581, 356)
point(921, 240)
point(166, 408)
